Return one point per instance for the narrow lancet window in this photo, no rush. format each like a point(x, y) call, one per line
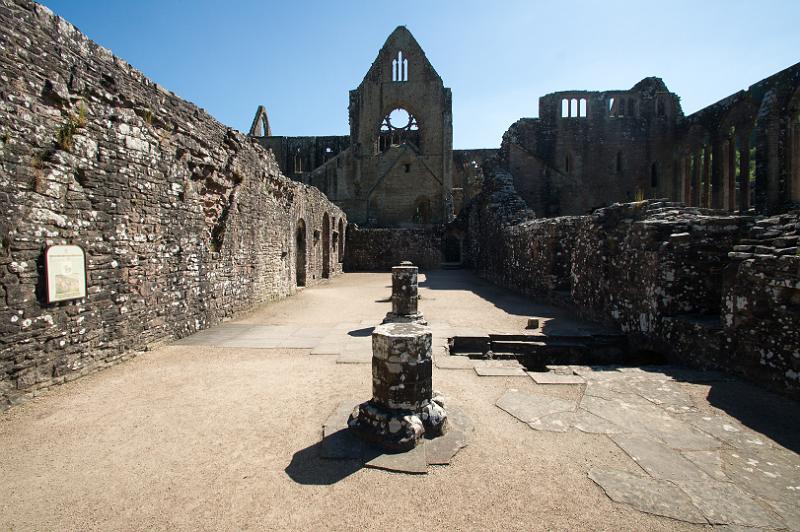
point(400, 68)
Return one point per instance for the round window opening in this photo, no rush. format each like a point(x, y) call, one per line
point(399, 119)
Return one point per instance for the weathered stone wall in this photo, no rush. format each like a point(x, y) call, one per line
point(698, 285)
point(743, 152)
point(468, 174)
point(761, 302)
point(184, 221)
point(371, 249)
point(589, 149)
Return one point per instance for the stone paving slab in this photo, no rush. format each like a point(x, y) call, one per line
point(299, 343)
point(659, 393)
point(488, 371)
point(772, 473)
point(338, 418)
point(789, 511)
point(555, 378)
point(726, 429)
point(558, 422)
point(709, 462)
point(327, 350)
point(632, 416)
point(414, 461)
point(528, 407)
point(441, 450)
point(358, 345)
point(725, 503)
point(647, 495)
point(339, 443)
point(311, 332)
point(354, 357)
point(587, 422)
point(253, 343)
point(450, 362)
point(637, 415)
point(580, 420)
point(657, 459)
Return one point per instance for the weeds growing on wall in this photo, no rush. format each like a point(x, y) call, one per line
point(74, 122)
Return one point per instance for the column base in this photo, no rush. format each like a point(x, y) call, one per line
point(398, 430)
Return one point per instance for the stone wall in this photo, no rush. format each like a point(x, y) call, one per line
point(184, 221)
point(589, 149)
point(371, 249)
point(701, 286)
point(761, 301)
point(743, 152)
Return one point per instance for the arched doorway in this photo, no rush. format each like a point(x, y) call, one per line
point(326, 246)
point(341, 240)
point(452, 248)
point(422, 210)
point(300, 251)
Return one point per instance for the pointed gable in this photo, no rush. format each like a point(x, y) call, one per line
point(401, 59)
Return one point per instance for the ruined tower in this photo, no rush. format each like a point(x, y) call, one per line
point(401, 130)
point(395, 168)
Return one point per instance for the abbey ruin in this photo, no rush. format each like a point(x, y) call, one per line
point(613, 247)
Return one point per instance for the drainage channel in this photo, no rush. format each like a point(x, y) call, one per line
point(536, 351)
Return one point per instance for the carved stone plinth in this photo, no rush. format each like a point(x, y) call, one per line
point(403, 407)
point(405, 295)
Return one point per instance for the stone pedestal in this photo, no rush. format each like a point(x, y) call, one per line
point(403, 408)
point(405, 295)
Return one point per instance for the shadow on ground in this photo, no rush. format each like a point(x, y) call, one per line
point(501, 298)
point(773, 415)
point(308, 466)
point(361, 333)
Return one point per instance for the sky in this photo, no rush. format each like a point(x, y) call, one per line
point(300, 58)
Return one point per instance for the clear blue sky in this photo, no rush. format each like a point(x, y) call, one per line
point(301, 58)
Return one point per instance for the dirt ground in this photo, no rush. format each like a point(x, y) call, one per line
point(208, 438)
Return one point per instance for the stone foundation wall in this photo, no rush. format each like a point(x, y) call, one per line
point(761, 302)
point(698, 285)
point(382, 248)
point(184, 221)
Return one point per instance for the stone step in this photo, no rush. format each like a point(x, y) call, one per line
point(510, 346)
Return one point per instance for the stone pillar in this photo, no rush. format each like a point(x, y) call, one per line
point(403, 408)
point(744, 174)
point(405, 295)
point(695, 197)
point(706, 192)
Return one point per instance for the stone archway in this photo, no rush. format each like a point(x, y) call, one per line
point(326, 246)
point(300, 253)
point(452, 248)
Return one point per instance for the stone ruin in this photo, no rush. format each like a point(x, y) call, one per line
point(404, 408)
point(185, 222)
point(405, 295)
